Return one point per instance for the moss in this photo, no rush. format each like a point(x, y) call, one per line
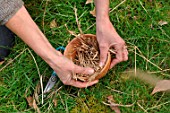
point(89, 105)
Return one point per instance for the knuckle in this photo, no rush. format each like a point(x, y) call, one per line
point(65, 82)
point(119, 59)
point(122, 43)
point(102, 46)
point(126, 59)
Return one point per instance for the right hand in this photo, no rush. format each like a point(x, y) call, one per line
point(107, 38)
point(65, 69)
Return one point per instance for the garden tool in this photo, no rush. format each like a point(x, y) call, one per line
point(53, 79)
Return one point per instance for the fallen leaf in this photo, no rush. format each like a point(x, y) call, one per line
point(53, 24)
point(135, 17)
point(35, 106)
point(89, 1)
point(55, 102)
point(2, 62)
point(112, 101)
point(37, 92)
point(114, 106)
point(161, 23)
point(163, 85)
point(93, 12)
point(30, 101)
point(151, 26)
point(71, 32)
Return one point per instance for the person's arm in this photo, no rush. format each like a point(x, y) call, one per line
point(107, 36)
point(23, 26)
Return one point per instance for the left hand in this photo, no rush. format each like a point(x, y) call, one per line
point(108, 37)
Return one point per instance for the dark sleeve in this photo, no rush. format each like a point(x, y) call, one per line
point(8, 8)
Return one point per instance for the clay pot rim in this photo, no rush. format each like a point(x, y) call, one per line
point(105, 68)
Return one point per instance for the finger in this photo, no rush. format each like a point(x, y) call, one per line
point(103, 55)
point(83, 70)
point(125, 55)
point(80, 84)
point(114, 62)
point(119, 58)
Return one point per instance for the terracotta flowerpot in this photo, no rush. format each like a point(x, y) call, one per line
point(70, 53)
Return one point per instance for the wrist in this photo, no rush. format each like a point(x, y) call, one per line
point(103, 24)
point(51, 55)
point(102, 18)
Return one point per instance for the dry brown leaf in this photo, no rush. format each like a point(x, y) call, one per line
point(71, 32)
point(30, 101)
point(163, 85)
point(161, 23)
point(112, 101)
point(93, 12)
point(2, 62)
point(35, 106)
point(89, 1)
point(114, 106)
point(55, 102)
point(53, 24)
point(36, 92)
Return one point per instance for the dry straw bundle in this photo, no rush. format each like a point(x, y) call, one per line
point(84, 51)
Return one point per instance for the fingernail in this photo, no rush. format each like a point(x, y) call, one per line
point(101, 64)
point(90, 71)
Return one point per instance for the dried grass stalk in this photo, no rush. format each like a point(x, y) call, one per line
point(87, 55)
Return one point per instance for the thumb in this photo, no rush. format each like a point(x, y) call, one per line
point(103, 55)
point(83, 70)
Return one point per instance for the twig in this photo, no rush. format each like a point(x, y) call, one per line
point(146, 58)
point(154, 21)
point(44, 15)
point(160, 71)
point(13, 60)
point(117, 91)
point(135, 60)
point(149, 61)
point(71, 32)
point(158, 105)
point(77, 21)
point(90, 27)
point(160, 98)
point(114, 104)
point(41, 83)
point(118, 5)
point(112, 51)
point(142, 108)
point(144, 8)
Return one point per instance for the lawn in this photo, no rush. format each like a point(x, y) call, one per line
point(143, 24)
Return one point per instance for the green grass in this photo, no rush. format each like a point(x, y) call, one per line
point(132, 19)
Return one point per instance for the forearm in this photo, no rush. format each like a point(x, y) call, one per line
point(102, 9)
point(107, 36)
point(102, 17)
point(23, 26)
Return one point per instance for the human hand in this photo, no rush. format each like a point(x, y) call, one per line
point(65, 69)
point(108, 38)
